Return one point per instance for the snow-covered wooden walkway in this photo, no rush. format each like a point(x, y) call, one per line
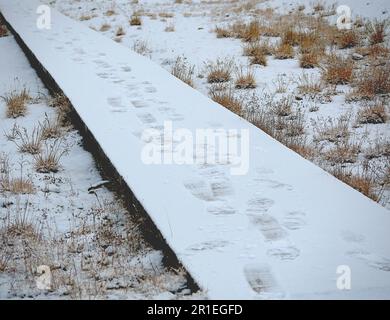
point(283, 229)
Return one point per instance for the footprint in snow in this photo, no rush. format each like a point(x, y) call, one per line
point(268, 226)
point(259, 205)
point(222, 188)
point(146, 118)
point(176, 117)
point(126, 69)
point(221, 210)
point(350, 236)
point(103, 75)
point(260, 279)
point(116, 104)
point(273, 184)
point(208, 245)
point(150, 90)
point(373, 260)
point(139, 104)
point(294, 220)
point(284, 253)
point(199, 189)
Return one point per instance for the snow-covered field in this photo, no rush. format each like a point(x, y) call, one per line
point(170, 30)
point(89, 241)
point(280, 231)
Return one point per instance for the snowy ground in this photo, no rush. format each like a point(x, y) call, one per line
point(281, 230)
point(89, 241)
point(170, 30)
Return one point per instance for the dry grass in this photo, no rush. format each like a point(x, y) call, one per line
point(225, 97)
point(16, 103)
point(142, 47)
point(245, 80)
point(183, 71)
point(63, 106)
point(170, 27)
point(283, 107)
point(378, 51)
point(310, 42)
point(251, 32)
point(51, 128)
point(259, 58)
point(270, 116)
point(219, 71)
point(361, 182)
point(223, 32)
point(85, 17)
point(3, 31)
point(284, 51)
point(258, 51)
point(166, 15)
point(378, 148)
point(253, 48)
point(373, 80)
point(309, 84)
point(48, 160)
point(120, 32)
point(18, 186)
point(337, 70)
point(5, 258)
point(290, 37)
point(26, 142)
point(105, 27)
point(309, 60)
point(348, 39)
point(246, 31)
point(342, 153)
point(135, 20)
point(110, 12)
point(332, 130)
point(377, 31)
point(373, 114)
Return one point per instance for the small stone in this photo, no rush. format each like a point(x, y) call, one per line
point(357, 56)
point(110, 251)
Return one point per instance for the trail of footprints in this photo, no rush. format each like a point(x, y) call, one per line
point(214, 187)
point(371, 259)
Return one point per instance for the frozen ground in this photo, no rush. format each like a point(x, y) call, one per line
point(282, 230)
point(170, 30)
point(89, 241)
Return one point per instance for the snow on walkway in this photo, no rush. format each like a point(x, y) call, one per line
point(280, 231)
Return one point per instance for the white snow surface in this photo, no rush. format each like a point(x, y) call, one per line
point(280, 231)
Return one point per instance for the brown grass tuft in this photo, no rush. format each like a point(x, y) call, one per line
point(373, 80)
point(361, 182)
point(223, 32)
point(245, 80)
point(309, 60)
point(348, 39)
point(219, 71)
point(135, 20)
point(225, 97)
point(105, 27)
point(16, 103)
point(337, 70)
point(183, 71)
point(373, 114)
point(3, 31)
point(120, 32)
point(377, 31)
point(48, 160)
point(284, 51)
